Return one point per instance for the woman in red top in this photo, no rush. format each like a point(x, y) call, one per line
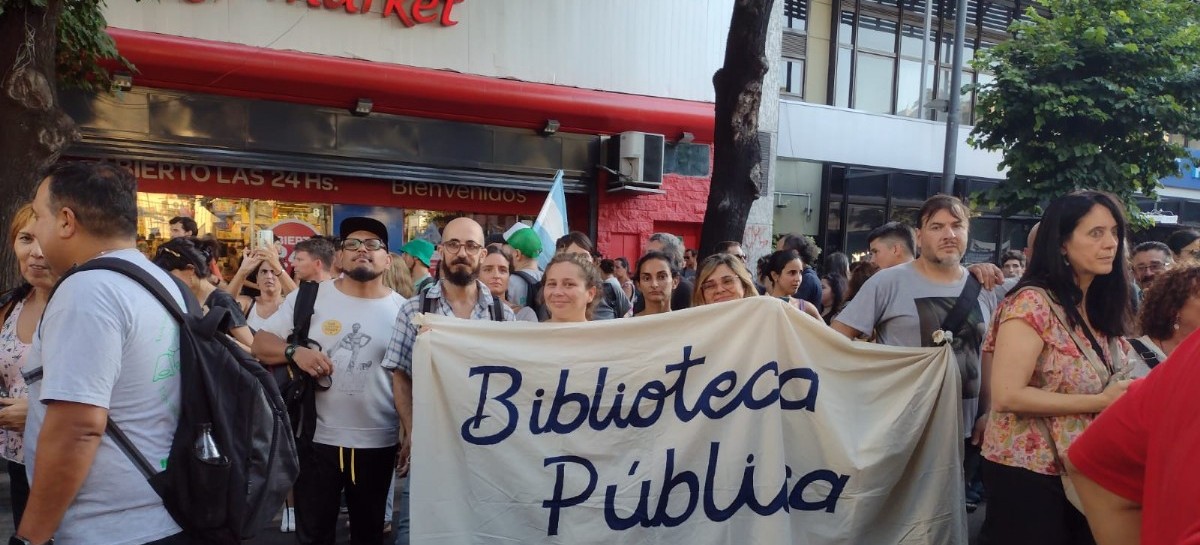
point(1135, 467)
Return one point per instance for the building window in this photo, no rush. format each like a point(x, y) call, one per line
point(877, 64)
point(793, 77)
point(795, 15)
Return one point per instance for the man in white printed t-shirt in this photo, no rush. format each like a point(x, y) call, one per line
point(357, 432)
point(105, 348)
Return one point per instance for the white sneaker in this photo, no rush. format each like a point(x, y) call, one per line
point(288, 524)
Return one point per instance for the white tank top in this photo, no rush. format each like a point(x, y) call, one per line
point(253, 320)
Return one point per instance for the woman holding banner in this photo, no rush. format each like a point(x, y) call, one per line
point(656, 278)
point(722, 277)
point(571, 287)
point(1059, 358)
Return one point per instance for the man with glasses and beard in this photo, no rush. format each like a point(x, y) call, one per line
point(355, 440)
point(458, 292)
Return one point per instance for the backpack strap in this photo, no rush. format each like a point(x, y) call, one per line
point(497, 309)
point(10, 298)
point(1090, 350)
point(144, 279)
point(968, 299)
point(528, 278)
point(306, 302)
point(159, 291)
point(1148, 354)
point(428, 303)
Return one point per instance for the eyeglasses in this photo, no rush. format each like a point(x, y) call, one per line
point(1153, 266)
point(741, 257)
point(353, 244)
point(453, 247)
point(727, 282)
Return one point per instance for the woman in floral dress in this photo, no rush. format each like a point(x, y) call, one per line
point(22, 310)
point(1058, 360)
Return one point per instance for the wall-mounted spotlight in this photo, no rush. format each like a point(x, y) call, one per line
point(363, 107)
point(122, 81)
point(551, 127)
point(687, 138)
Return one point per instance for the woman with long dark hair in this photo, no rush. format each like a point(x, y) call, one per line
point(1059, 359)
point(785, 270)
point(810, 283)
point(833, 295)
point(1185, 246)
point(657, 278)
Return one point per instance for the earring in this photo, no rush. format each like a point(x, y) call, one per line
point(1066, 261)
point(1176, 325)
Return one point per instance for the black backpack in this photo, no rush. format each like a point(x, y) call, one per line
point(223, 386)
point(534, 295)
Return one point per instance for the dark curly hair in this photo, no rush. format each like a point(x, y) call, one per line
point(860, 271)
point(1165, 298)
point(807, 251)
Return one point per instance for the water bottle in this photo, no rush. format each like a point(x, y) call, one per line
point(205, 447)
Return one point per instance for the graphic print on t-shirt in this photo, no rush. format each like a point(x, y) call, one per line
point(967, 341)
point(350, 372)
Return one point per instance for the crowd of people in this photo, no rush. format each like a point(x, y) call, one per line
point(1068, 353)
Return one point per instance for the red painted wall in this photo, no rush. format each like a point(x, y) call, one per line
point(624, 218)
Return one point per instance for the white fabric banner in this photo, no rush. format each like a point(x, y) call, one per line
point(740, 422)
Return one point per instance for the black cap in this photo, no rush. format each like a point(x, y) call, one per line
point(360, 223)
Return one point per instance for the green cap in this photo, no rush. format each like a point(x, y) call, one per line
point(419, 248)
point(527, 241)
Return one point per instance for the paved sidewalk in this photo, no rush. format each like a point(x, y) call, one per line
point(272, 536)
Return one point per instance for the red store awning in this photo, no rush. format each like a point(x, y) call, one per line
point(189, 64)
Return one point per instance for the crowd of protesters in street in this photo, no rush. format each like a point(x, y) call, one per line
point(1078, 391)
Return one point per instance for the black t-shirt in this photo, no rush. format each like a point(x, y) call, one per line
point(220, 298)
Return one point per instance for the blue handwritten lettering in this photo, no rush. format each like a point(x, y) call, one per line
point(473, 423)
point(823, 482)
point(556, 504)
point(717, 399)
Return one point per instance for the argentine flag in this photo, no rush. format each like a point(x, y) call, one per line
point(551, 223)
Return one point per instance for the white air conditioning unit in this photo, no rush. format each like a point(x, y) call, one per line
point(638, 157)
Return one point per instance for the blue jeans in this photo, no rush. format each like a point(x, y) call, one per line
point(400, 523)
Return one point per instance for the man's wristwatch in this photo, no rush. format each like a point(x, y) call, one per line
point(290, 353)
point(18, 540)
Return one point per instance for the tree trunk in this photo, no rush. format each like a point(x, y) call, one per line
point(34, 130)
point(737, 177)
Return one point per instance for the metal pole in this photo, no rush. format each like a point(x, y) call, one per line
point(952, 123)
point(925, 57)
